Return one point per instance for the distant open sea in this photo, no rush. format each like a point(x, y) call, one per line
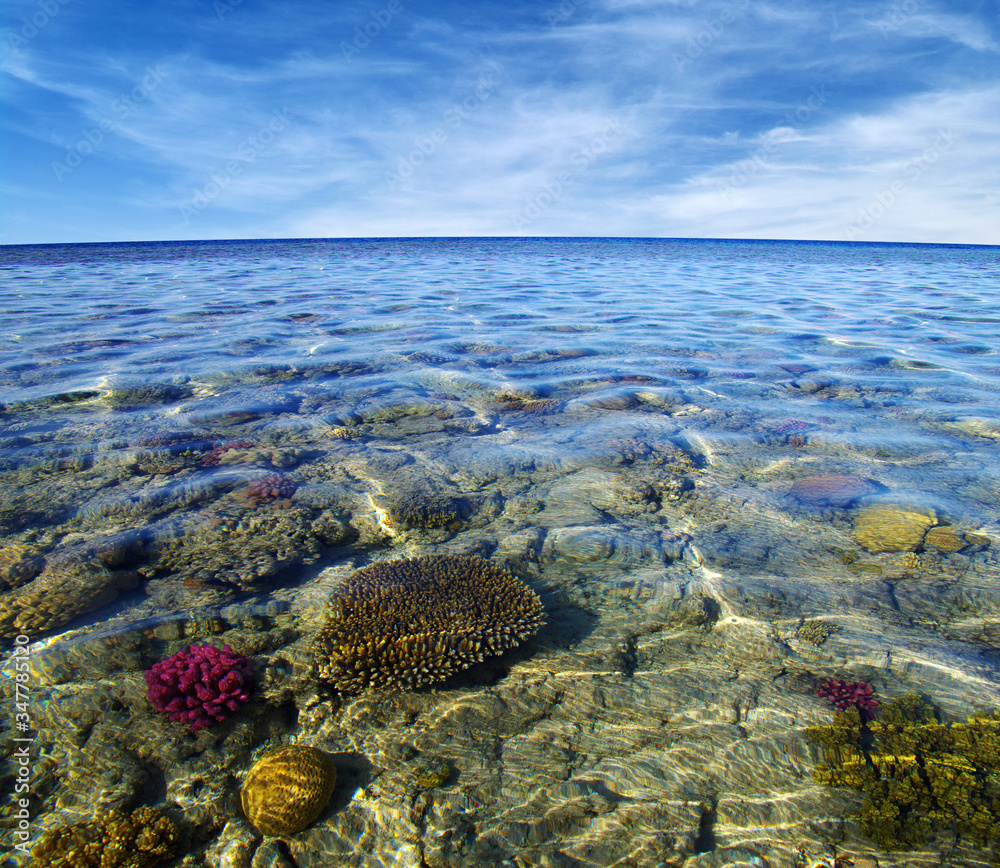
point(741, 476)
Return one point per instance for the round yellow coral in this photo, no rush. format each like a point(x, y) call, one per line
point(288, 789)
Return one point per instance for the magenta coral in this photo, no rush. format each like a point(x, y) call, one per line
point(199, 685)
point(844, 694)
point(264, 489)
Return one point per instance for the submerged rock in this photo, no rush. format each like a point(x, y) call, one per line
point(19, 564)
point(608, 544)
point(246, 550)
point(833, 489)
point(892, 528)
point(62, 591)
point(417, 503)
point(945, 539)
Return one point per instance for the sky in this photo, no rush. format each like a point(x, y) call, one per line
point(862, 120)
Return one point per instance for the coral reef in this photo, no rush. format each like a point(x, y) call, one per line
point(176, 440)
point(117, 550)
point(199, 685)
point(65, 589)
point(945, 539)
point(112, 840)
point(19, 564)
point(274, 486)
point(628, 450)
point(213, 458)
point(250, 549)
point(527, 403)
point(428, 774)
point(792, 424)
point(892, 528)
point(850, 694)
point(420, 504)
point(288, 789)
point(263, 456)
point(816, 632)
point(168, 453)
point(135, 396)
point(919, 777)
point(412, 622)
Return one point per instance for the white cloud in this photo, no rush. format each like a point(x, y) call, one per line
point(919, 172)
point(963, 29)
point(912, 173)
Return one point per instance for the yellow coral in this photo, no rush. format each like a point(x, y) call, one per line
point(63, 590)
point(918, 776)
point(893, 528)
point(19, 564)
point(112, 840)
point(288, 789)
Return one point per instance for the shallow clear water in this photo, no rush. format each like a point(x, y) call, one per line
point(78, 315)
point(628, 425)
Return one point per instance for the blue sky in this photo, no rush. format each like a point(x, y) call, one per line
point(869, 121)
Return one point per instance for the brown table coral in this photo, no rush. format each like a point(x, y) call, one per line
point(408, 623)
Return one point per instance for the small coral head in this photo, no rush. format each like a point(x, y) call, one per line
point(200, 685)
point(845, 694)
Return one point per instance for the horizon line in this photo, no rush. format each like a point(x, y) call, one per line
point(376, 238)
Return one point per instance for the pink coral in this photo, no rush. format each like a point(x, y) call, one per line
point(214, 457)
point(844, 694)
point(264, 489)
point(199, 685)
point(792, 425)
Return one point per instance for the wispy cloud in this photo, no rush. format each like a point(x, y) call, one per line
point(487, 120)
point(919, 172)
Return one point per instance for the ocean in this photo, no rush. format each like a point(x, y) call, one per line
point(753, 486)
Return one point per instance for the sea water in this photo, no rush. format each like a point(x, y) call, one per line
point(732, 470)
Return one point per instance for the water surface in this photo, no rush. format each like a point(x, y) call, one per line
point(200, 441)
